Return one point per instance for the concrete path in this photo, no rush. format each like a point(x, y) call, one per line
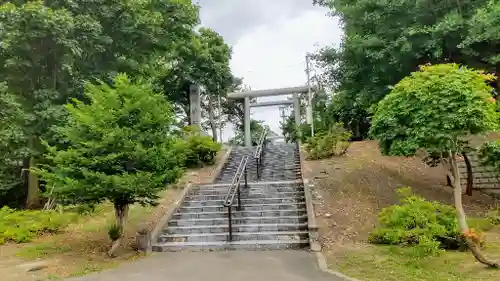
point(219, 266)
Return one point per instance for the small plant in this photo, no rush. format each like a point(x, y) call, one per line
point(334, 143)
point(417, 222)
point(114, 232)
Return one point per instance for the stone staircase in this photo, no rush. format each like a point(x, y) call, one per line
point(272, 215)
point(281, 162)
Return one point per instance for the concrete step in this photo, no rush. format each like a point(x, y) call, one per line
point(243, 221)
point(248, 207)
point(236, 228)
point(244, 194)
point(234, 245)
point(251, 190)
point(237, 236)
point(239, 214)
point(245, 201)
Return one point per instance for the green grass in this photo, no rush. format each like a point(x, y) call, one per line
point(41, 250)
point(25, 225)
point(482, 224)
point(394, 263)
point(87, 268)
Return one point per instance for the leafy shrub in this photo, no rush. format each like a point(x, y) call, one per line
point(22, 226)
point(334, 143)
point(199, 150)
point(114, 232)
point(429, 225)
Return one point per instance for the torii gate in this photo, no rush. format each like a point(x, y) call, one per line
point(295, 91)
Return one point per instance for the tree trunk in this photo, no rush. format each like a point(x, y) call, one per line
point(121, 215)
point(470, 175)
point(33, 196)
point(462, 220)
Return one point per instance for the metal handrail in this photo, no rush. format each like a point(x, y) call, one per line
point(259, 152)
point(233, 190)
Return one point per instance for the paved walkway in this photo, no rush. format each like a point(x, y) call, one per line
point(219, 266)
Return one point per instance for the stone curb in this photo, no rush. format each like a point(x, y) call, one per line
point(315, 246)
point(160, 224)
point(220, 166)
point(155, 233)
point(311, 216)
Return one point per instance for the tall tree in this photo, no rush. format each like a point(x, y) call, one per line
point(202, 60)
point(48, 48)
point(120, 147)
point(12, 148)
point(215, 76)
point(435, 110)
point(384, 41)
point(38, 54)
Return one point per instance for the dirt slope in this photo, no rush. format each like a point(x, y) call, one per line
point(349, 191)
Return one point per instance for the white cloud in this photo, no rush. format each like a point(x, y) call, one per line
point(272, 55)
point(232, 19)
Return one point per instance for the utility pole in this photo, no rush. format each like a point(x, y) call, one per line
point(309, 109)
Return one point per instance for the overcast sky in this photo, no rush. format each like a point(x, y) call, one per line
point(270, 39)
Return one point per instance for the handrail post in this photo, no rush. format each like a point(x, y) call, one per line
point(233, 189)
point(230, 223)
point(239, 198)
point(258, 168)
point(246, 173)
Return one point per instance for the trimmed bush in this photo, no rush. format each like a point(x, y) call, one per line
point(334, 143)
point(22, 226)
point(199, 149)
point(430, 226)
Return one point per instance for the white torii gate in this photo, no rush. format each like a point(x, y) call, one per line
point(295, 91)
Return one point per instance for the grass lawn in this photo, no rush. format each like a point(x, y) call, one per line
point(396, 263)
point(392, 263)
point(80, 249)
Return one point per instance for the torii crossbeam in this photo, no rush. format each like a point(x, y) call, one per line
point(269, 92)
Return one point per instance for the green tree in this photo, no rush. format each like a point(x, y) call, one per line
point(48, 48)
point(12, 148)
point(435, 110)
point(38, 53)
point(483, 39)
point(322, 115)
point(256, 129)
point(120, 147)
point(234, 109)
point(202, 60)
point(136, 37)
point(387, 40)
point(215, 76)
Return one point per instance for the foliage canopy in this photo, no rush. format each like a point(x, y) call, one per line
point(119, 147)
point(434, 109)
